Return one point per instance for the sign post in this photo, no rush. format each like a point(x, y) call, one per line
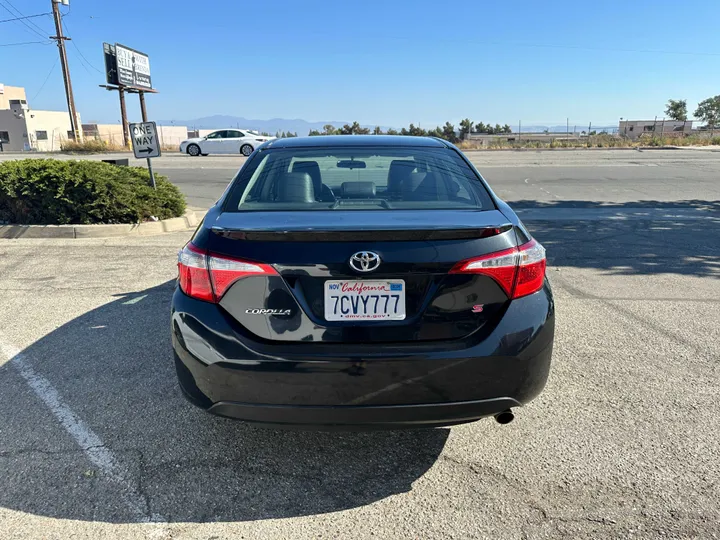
point(146, 144)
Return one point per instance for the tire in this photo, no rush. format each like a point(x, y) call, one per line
point(246, 150)
point(193, 150)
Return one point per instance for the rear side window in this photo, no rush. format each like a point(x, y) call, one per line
point(341, 178)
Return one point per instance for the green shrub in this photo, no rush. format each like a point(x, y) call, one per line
point(54, 192)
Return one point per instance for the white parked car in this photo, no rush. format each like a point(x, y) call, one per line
point(224, 141)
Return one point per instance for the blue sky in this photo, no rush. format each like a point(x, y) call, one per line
point(385, 62)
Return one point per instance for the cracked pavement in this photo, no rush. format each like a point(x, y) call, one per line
point(622, 443)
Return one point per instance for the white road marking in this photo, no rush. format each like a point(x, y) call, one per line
point(92, 446)
point(543, 189)
point(134, 300)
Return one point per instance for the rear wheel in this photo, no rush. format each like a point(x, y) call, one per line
point(246, 150)
point(193, 150)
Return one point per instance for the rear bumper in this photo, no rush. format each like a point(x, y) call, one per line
point(368, 386)
point(364, 417)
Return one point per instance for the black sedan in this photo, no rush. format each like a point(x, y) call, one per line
point(361, 282)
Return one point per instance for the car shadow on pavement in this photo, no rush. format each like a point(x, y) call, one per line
point(113, 368)
point(632, 238)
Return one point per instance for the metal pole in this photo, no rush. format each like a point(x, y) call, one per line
point(152, 174)
point(123, 118)
point(77, 130)
point(143, 110)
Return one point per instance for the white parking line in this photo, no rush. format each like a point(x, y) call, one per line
point(134, 300)
point(92, 446)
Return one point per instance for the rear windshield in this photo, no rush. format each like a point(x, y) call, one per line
point(357, 179)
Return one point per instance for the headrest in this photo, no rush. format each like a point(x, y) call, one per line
point(313, 169)
point(423, 187)
point(358, 190)
point(296, 187)
point(399, 171)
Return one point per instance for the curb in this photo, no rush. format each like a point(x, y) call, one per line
point(188, 221)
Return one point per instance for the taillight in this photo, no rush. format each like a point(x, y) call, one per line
point(519, 271)
point(207, 276)
point(193, 273)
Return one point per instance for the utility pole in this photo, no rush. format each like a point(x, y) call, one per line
point(143, 110)
point(123, 118)
point(77, 130)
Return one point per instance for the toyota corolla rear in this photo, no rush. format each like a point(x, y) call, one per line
point(361, 282)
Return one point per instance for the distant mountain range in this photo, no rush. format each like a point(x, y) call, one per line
point(303, 127)
point(297, 125)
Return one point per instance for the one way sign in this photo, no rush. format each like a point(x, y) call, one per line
point(145, 140)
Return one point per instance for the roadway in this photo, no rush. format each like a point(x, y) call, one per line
point(97, 442)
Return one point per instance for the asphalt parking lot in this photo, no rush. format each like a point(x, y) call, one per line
point(97, 442)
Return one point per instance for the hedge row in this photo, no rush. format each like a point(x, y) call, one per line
point(54, 192)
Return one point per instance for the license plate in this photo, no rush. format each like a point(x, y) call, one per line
point(365, 300)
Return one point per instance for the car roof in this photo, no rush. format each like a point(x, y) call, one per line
point(330, 141)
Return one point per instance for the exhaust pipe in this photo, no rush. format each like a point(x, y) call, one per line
point(504, 417)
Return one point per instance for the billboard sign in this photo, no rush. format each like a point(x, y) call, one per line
point(133, 68)
point(111, 75)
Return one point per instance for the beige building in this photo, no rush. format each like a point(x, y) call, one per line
point(634, 129)
point(170, 136)
point(23, 129)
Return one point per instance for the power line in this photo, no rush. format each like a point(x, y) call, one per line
point(25, 17)
point(22, 21)
point(46, 80)
point(67, 30)
point(18, 13)
point(24, 43)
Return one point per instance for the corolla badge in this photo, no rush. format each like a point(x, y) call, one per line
point(364, 261)
point(267, 311)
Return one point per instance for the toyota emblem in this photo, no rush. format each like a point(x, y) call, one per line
point(365, 261)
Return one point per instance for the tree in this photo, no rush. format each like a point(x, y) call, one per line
point(404, 131)
point(449, 132)
point(314, 133)
point(466, 126)
point(416, 131)
point(498, 129)
point(480, 127)
point(329, 129)
point(506, 129)
point(357, 129)
point(289, 134)
point(436, 132)
point(677, 109)
point(392, 131)
point(377, 131)
point(708, 111)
